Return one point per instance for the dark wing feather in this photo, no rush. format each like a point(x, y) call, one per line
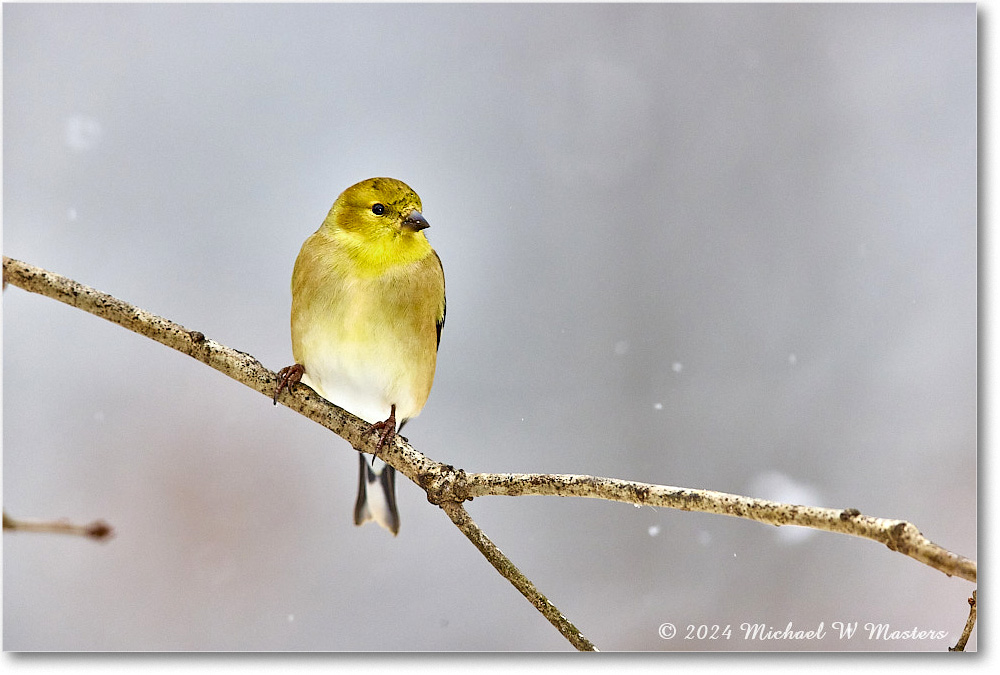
point(444, 301)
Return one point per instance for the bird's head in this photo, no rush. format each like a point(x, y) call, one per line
point(378, 209)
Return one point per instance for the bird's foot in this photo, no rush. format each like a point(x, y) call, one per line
point(288, 376)
point(388, 429)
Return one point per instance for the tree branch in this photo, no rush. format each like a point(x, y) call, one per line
point(898, 535)
point(449, 487)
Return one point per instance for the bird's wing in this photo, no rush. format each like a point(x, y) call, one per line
point(444, 301)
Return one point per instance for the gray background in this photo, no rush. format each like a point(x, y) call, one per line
point(725, 247)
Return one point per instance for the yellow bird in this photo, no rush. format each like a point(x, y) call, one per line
point(368, 305)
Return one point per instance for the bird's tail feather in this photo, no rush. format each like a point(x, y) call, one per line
point(380, 503)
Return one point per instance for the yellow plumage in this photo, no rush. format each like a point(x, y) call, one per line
point(368, 304)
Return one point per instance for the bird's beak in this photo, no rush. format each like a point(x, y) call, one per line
point(415, 221)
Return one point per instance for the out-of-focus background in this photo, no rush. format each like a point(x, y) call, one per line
point(725, 247)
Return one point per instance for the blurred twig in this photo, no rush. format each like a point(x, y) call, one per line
point(449, 487)
point(96, 530)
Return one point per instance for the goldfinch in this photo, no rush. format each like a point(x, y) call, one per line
point(368, 306)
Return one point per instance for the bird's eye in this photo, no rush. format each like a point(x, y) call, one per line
point(378, 209)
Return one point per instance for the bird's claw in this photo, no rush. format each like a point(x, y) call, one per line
point(388, 429)
point(288, 376)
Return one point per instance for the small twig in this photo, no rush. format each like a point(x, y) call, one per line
point(970, 623)
point(505, 567)
point(98, 529)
